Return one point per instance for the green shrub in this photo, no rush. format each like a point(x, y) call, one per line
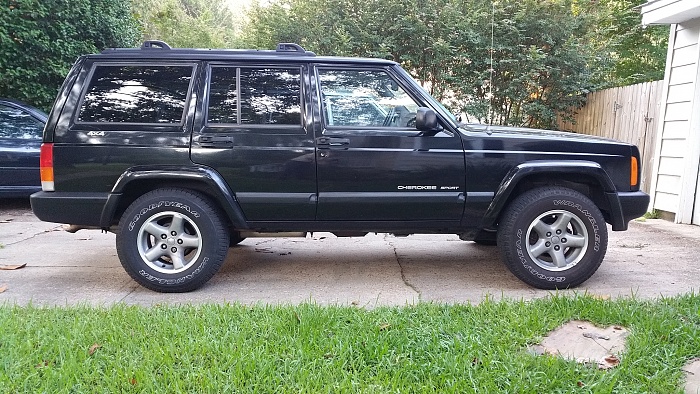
point(40, 40)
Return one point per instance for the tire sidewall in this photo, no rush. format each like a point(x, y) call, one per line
point(517, 254)
point(139, 213)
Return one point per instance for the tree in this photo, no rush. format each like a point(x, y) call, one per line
point(189, 23)
point(626, 52)
point(540, 66)
point(40, 39)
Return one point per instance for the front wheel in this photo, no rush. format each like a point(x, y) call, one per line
point(552, 237)
point(171, 240)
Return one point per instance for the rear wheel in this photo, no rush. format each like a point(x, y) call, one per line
point(171, 240)
point(552, 237)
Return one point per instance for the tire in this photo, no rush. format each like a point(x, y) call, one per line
point(533, 249)
point(172, 240)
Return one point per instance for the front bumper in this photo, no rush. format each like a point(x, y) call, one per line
point(631, 206)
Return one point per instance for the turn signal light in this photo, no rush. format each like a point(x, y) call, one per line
point(46, 167)
point(634, 172)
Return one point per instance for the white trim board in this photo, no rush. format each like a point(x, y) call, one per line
point(660, 12)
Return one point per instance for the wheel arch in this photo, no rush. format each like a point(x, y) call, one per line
point(586, 177)
point(136, 181)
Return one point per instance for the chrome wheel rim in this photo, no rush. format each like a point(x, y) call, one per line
point(557, 240)
point(169, 242)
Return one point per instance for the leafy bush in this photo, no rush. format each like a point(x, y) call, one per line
point(40, 39)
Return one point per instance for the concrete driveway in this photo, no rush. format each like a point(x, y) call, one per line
point(653, 258)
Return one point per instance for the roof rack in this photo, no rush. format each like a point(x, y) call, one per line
point(289, 47)
point(155, 44)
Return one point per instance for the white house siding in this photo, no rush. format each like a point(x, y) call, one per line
point(674, 149)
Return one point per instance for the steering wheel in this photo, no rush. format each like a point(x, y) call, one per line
point(412, 121)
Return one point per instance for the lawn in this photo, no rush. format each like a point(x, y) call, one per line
point(316, 349)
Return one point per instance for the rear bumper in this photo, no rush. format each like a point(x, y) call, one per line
point(631, 206)
point(71, 208)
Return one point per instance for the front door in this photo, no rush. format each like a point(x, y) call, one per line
point(373, 164)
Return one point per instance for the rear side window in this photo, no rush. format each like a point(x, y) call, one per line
point(136, 94)
point(248, 96)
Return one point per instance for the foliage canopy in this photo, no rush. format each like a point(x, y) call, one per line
point(189, 23)
point(625, 52)
point(544, 57)
point(546, 54)
point(40, 39)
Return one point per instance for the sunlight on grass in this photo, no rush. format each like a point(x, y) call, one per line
point(309, 348)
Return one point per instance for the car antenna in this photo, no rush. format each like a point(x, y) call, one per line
point(491, 70)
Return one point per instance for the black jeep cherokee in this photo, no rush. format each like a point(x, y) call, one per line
point(183, 153)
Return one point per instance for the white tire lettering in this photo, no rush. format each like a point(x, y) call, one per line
point(177, 281)
point(167, 204)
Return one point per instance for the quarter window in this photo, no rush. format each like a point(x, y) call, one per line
point(136, 94)
point(369, 98)
point(16, 123)
point(223, 95)
point(248, 96)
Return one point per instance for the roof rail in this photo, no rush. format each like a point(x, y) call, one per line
point(155, 44)
point(158, 48)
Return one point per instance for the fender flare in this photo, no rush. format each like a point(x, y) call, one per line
point(568, 167)
point(204, 177)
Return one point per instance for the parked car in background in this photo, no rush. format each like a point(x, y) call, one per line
point(21, 128)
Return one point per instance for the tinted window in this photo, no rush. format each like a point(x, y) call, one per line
point(223, 96)
point(16, 123)
point(267, 96)
point(365, 99)
point(136, 94)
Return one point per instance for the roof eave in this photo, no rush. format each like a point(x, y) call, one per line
point(665, 12)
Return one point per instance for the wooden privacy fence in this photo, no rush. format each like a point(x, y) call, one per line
point(629, 114)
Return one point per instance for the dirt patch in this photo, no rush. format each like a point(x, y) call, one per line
point(585, 343)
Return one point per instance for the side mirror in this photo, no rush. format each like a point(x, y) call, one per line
point(426, 120)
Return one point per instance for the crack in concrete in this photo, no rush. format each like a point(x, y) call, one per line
point(406, 282)
point(133, 289)
point(34, 235)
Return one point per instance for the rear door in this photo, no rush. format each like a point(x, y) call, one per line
point(373, 164)
point(251, 127)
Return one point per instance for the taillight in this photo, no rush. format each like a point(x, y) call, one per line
point(46, 167)
point(634, 172)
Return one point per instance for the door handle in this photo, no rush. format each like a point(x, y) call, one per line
point(332, 143)
point(215, 141)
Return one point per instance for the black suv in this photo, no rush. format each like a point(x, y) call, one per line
point(184, 153)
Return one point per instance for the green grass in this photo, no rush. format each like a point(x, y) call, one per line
point(312, 349)
point(653, 214)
